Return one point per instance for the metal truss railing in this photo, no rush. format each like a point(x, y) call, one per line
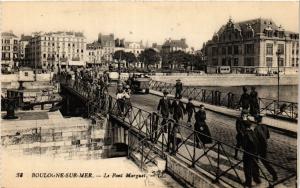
point(283, 109)
point(152, 136)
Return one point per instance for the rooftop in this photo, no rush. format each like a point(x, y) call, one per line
point(25, 38)
point(175, 43)
point(8, 34)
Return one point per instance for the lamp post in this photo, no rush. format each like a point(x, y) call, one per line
point(58, 62)
point(278, 53)
point(119, 67)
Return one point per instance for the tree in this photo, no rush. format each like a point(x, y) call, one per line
point(130, 57)
point(119, 55)
point(177, 57)
point(149, 56)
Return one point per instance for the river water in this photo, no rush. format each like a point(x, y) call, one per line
point(286, 92)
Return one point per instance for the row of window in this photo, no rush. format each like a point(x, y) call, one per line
point(249, 61)
point(271, 33)
point(7, 48)
point(6, 41)
point(269, 48)
point(7, 56)
point(52, 56)
point(232, 50)
point(295, 62)
point(63, 44)
point(63, 50)
point(61, 39)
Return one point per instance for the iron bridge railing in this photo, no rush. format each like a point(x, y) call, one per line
point(150, 138)
point(277, 109)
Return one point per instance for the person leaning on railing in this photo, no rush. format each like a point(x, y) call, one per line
point(127, 101)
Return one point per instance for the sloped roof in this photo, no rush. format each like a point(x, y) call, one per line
point(25, 38)
point(258, 25)
point(93, 45)
point(8, 34)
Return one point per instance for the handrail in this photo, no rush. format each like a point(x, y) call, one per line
point(230, 100)
point(142, 126)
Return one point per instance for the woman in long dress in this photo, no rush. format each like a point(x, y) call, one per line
point(203, 133)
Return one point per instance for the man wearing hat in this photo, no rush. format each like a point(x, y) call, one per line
point(190, 109)
point(250, 146)
point(178, 109)
point(178, 88)
point(262, 134)
point(240, 126)
point(164, 107)
point(244, 100)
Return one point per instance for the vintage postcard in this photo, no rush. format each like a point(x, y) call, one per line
point(149, 94)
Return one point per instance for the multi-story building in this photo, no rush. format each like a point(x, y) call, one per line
point(24, 50)
point(174, 45)
point(94, 52)
point(119, 45)
point(57, 49)
point(134, 47)
point(108, 45)
point(252, 46)
point(9, 50)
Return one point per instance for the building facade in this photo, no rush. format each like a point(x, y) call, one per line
point(57, 50)
point(134, 47)
point(119, 44)
point(174, 45)
point(9, 50)
point(94, 52)
point(24, 50)
point(108, 45)
point(252, 45)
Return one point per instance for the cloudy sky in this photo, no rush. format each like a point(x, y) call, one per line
point(147, 21)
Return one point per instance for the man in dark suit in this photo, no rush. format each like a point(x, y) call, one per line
point(240, 126)
point(178, 88)
point(178, 109)
point(190, 109)
point(164, 107)
point(250, 166)
point(244, 102)
point(262, 133)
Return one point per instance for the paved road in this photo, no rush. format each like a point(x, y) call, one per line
point(282, 149)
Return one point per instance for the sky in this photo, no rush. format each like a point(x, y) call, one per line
point(147, 21)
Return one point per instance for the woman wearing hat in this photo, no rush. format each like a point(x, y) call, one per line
point(202, 131)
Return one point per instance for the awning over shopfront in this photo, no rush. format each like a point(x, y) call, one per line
point(76, 63)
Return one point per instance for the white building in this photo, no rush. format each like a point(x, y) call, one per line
point(9, 50)
point(135, 47)
point(94, 54)
point(57, 49)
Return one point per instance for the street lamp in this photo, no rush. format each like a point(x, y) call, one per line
point(58, 60)
point(278, 53)
point(119, 67)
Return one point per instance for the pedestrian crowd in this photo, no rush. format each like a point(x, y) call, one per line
point(251, 137)
point(177, 110)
